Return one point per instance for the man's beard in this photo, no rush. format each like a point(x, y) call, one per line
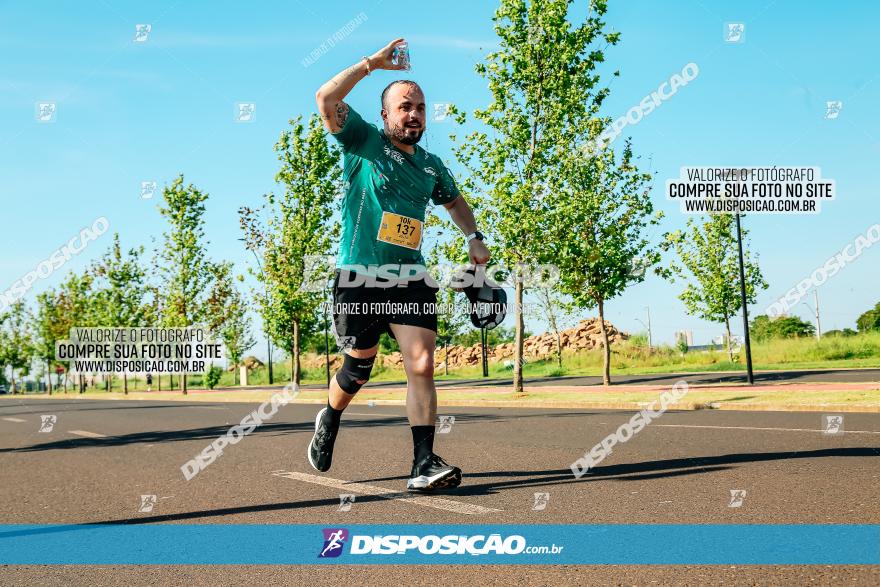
point(399, 133)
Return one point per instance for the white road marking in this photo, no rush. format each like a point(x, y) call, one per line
point(438, 503)
point(87, 434)
point(845, 432)
point(14, 420)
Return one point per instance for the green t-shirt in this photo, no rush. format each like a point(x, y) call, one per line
point(386, 198)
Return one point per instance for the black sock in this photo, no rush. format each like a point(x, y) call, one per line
point(423, 441)
point(332, 415)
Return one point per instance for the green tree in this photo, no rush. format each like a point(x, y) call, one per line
point(185, 271)
point(542, 80)
point(707, 261)
point(16, 341)
point(77, 307)
point(227, 317)
point(765, 328)
point(50, 325)
point(554, 307)
point(845, 332)
point(298, 226)
point(120, 289)
point(870, 320)
point(451, 321)
point(601, 213)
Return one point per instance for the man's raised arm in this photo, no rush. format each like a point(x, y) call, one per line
point(330, 96)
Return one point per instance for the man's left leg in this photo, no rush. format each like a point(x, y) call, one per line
point(429, 471)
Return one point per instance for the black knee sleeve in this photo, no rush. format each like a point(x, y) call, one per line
point(353, 370)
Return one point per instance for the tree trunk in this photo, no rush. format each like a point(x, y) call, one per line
point(12, 381)
point(518, 339)
point(606, 349)
point(559, 349)
point(125, 383)
point(159, 381)
point(295, 371)
point(183, 382)
point(729, 350)
point(49, 377)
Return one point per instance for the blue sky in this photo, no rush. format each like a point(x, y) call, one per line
point(130, 112)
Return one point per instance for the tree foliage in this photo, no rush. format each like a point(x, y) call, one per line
point(297, 225)
point(707, 261)
point(870, 320)
point(542, 81)
point(764, 328)
point(184, 270)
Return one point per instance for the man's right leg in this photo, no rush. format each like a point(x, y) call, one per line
point(355, 372)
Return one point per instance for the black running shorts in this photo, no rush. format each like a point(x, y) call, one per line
point(361, 313)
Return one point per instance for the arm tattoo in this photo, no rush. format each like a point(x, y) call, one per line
point(341, 114)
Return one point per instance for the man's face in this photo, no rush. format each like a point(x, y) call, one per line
point(404, 113)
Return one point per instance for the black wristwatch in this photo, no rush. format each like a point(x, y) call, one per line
point(474, 235)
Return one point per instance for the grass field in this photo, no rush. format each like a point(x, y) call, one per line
point(629, 358)
point(633, 358)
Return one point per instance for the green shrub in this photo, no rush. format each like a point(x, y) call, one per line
point(212, 376)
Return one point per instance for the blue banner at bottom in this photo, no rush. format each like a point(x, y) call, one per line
point(535, 544)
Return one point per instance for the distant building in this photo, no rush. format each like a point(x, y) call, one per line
point(685, 335)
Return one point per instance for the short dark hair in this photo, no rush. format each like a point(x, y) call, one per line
point(395, 82)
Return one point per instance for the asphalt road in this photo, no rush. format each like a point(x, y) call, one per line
point(706, 378)
point(680, 469)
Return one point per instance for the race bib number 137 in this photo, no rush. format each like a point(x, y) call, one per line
point(402, 231)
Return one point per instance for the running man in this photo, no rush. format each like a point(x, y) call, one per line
point(390, 183)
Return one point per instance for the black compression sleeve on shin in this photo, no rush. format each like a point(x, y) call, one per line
point(354, 370)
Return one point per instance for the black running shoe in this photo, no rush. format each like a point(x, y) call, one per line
point(321, 447)
point(433, 473)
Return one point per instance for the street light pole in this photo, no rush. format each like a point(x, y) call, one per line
point(816, 312)
point(647, 326)
point(742, 294)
